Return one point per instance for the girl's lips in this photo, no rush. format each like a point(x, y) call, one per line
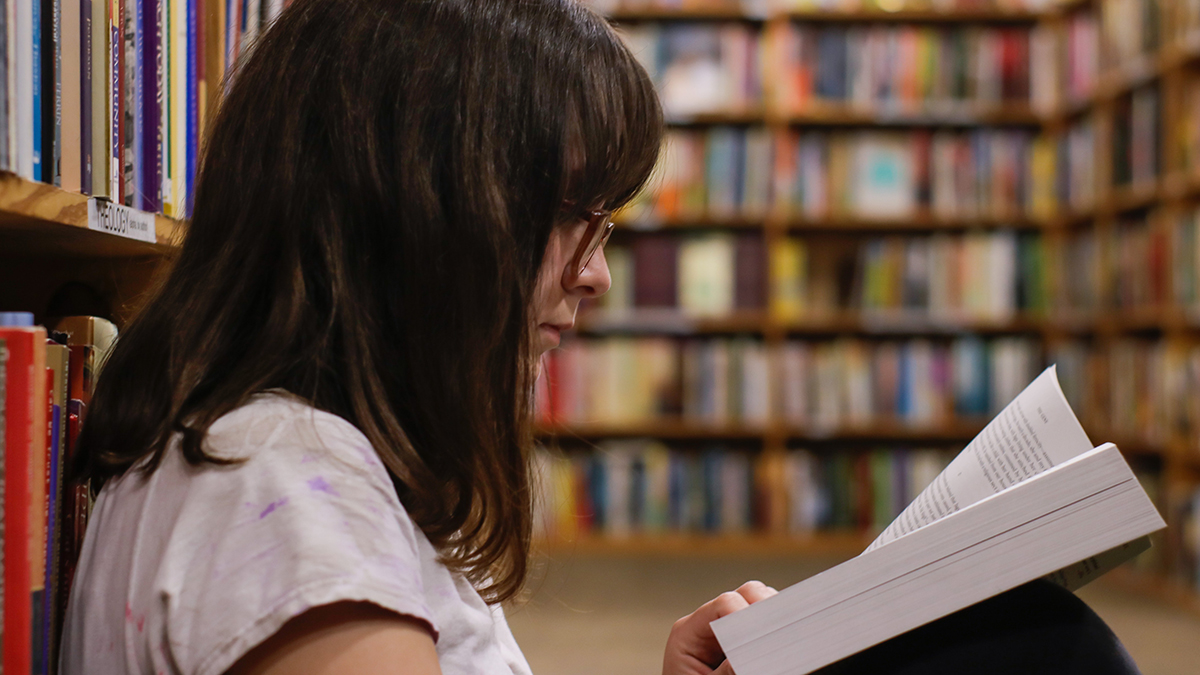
point(552, 333)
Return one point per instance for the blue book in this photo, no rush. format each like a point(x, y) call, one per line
point(36, 8)
point(193, 110)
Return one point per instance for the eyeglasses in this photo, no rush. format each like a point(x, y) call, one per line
point(599, 229)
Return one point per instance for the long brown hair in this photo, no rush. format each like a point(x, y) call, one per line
point(372, 207)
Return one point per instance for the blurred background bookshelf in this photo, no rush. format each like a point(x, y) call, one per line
point(874, 222)
point(872, 225)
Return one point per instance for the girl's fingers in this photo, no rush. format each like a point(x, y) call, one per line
point(753, 591)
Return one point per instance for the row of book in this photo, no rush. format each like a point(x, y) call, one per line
point(709, 274)
point(46, 380)
point(876, 174)
point(988, 276)
point(700, 68)
point(110, 98)
point(643, 487)
point(817, 387)
point(901, 70)
point(737, 172)
point(982, 275)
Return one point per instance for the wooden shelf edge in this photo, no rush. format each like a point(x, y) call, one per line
point(712, 545)
point(677, 429)
point(32, 205)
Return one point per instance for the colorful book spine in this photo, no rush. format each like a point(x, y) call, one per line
point(36, 47)
point(24, 545)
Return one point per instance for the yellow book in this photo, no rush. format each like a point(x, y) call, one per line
point(178, 114)
point(789, 271)
point(1043, 202)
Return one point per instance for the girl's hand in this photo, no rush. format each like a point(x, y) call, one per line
point(692, 648)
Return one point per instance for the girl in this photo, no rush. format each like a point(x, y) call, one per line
point(312, 445)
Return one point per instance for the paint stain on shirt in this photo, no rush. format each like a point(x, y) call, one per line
point(319, 484)
point(272, 506)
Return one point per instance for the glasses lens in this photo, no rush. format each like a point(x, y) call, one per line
point(600, 227)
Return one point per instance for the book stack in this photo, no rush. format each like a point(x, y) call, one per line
point(718, 173)
point(1076, 175)
point(46, 381)
point(921, 279)
point(637, 380)
point(1136, 138)
point(1080, 55)
point(1185, 261)
point(700, 68)
point(906, 70)
point(1080, 292)
point(1131, 31)
point(1186, 540)
point(875, 174)
point(109, 97)
point(644, 487)
point(845, 384)
point(1141, 277)
point(710, 274)
point(1160, 390)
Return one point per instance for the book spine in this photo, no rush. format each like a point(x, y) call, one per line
point(53, 77)
point(191, 101)
point(138, 108)
point(85, 96)
point(129, 84)
point(116, 50)
point(149, 134)
point(24, 435)
point(71, 122)
point(178, 25)
point(101, 109)
point(6, 88)
point(36, 46)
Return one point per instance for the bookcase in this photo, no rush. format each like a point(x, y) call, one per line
point(1039, 204)
point(905, 212)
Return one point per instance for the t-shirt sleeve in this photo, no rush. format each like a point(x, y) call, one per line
point(310, 518)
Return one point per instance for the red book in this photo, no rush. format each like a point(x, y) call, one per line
point(25, 445)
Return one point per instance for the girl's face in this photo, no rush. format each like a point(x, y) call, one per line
point(558, 294)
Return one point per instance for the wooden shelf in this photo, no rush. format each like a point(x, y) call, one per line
point(884, 322)
point(982, 15)
point(667, 428)
point(915, 222)
point(837, 115)
point(840, 544)
point(715, 12)
point(678, 429)
point(705, 222)
point(39, 220)
point(732, 117)
point(669, 321)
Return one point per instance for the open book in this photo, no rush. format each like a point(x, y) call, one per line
point(1029, 497)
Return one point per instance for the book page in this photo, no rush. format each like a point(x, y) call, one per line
point(1036, 431)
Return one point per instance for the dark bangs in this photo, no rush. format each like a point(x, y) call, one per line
point(618, 124)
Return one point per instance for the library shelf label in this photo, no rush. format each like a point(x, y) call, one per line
point(105, 216)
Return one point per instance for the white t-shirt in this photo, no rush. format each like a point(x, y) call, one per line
point(186, 570)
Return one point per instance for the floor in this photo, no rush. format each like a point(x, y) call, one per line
point(594, 615)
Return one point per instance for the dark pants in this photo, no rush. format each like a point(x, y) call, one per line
point(1036, 629)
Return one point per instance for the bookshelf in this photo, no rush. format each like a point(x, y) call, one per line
point(1104, 323)
point(44, 236)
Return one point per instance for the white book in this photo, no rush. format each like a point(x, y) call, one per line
point(1028, 498)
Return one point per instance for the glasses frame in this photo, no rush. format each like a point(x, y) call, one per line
point(599, 229)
